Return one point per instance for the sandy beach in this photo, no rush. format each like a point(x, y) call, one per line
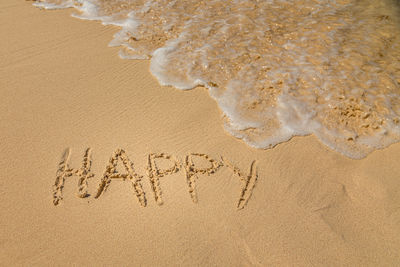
point(145, 175)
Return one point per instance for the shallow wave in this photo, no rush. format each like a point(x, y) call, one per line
point(276, 68)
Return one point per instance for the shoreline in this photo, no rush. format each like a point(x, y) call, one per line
point(63, 87)
point(260, 115)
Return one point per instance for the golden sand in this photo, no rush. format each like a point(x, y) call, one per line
point(63, 89)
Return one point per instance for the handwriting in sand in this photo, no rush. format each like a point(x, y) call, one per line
point(153, 172)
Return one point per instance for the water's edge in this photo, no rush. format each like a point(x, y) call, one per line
point(276, 69)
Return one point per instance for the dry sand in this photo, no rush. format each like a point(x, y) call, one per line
point(62, 87)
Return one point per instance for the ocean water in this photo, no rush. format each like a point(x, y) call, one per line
point(276, 68)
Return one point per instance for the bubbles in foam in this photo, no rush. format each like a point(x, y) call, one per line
point(276, 68)
point(54, 4)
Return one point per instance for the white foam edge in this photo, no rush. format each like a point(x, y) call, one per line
point(236, 122)
point(293, 117)
point(157, 69)
point(129, 27)
point(89, 11)
point(289, 127)
point(124, 55)
point(50, 6)
point(281, 135)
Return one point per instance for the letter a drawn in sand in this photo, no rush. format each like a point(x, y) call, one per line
point(111, 173)
point(65, 171)
point(248, 181)
point(155, 173)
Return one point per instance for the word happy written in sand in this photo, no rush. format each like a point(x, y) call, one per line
point(154, 173)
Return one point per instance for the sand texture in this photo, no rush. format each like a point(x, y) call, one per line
point(100, 165)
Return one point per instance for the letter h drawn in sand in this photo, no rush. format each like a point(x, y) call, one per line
point(155, 173)
point(111, 173)
point(65, 171)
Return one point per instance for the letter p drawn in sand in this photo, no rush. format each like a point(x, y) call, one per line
point(191, 165)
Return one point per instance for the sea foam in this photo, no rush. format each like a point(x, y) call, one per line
point(276, 68)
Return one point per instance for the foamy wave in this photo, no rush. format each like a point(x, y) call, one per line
point(277, 69)
point(54, 5)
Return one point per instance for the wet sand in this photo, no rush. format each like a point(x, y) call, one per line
point(63, 89)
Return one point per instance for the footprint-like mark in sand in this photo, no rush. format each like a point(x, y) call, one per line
point(64, 171)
